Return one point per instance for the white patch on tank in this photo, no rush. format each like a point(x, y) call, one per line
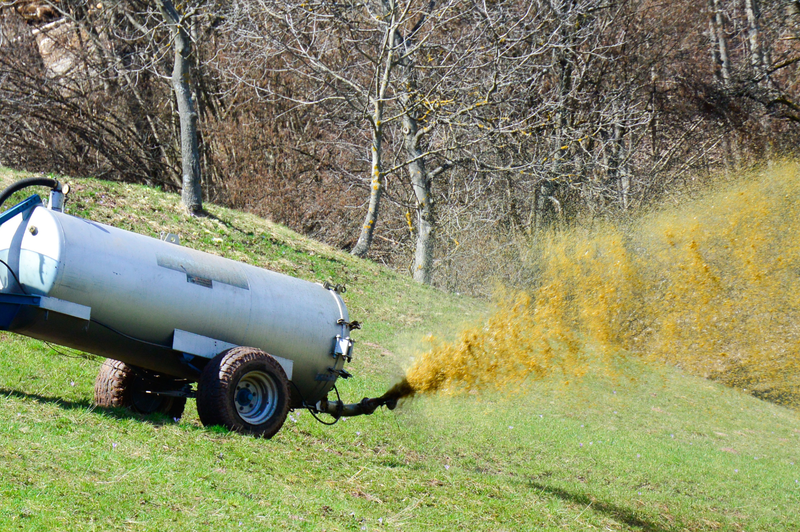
point(40, 252)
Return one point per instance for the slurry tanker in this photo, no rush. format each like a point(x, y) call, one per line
point(173, 323)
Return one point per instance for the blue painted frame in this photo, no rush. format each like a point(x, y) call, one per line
point(22, 206)
point(11, 304)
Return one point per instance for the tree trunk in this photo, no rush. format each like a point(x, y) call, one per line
point(419, 177)
point(756, 52)
point(617, 171)
point(421, 183)
point(722, 72)
point(191, 192)
point(718, 29)
point(712, 34)
point(760, 66)
point(376, 186)
point(548, 208)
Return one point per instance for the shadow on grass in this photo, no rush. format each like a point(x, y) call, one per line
point(116, 413)
point(623, 515)
point(226, 223)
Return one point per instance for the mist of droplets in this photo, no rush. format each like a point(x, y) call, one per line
point(711, 286)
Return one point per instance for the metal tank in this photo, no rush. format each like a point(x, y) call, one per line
point(258, 342)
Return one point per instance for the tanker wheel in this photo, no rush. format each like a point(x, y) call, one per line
point(245, 390)
point(120, 385)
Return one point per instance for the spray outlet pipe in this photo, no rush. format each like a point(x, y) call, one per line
point(366, 406)
point(337, 409)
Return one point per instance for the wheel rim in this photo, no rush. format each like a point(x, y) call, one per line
point(256, 397)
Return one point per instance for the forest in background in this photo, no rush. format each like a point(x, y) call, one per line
point(437, 137)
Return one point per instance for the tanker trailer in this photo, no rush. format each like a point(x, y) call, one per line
point(174, 323)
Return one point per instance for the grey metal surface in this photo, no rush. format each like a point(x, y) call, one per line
point(66, 307)
point(146, 289)
point(256, 397)
point(206, 347)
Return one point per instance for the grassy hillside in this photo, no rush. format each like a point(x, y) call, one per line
point(654, 450)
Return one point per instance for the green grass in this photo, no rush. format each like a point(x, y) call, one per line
point(654, 450)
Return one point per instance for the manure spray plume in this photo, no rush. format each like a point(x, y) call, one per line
point(712, 287)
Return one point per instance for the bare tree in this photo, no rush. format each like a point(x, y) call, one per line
point(100, 115)
point(377, 85)
point(427, 135)
point(507, 90)
point(305, 40)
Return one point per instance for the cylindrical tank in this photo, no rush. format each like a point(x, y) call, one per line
point(141, 290)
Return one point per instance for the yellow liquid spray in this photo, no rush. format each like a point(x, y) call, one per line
point(712, 287)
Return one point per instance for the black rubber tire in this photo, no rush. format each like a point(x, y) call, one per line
point(120, 385)
point(224, 393)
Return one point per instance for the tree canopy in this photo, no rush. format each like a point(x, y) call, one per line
point(425, 134)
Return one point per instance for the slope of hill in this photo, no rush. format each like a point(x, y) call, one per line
point(654, 450)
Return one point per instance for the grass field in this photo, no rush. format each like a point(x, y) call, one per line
point(649, 450)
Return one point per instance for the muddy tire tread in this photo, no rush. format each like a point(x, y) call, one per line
point(115, 388)
point(215, 404)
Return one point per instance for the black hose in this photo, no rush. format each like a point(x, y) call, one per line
point(25, 183)
point(4, 263)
